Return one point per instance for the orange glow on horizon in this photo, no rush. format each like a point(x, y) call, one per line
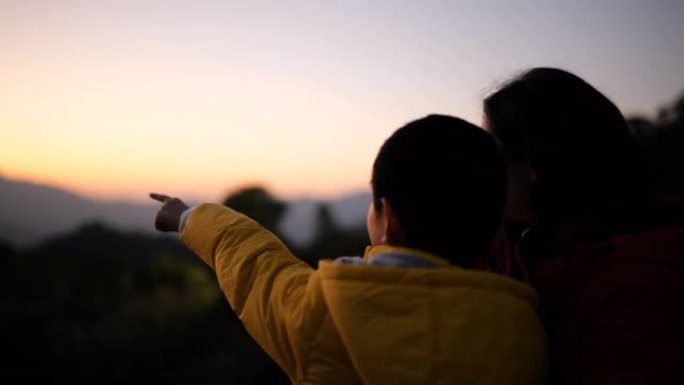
point(113, 189)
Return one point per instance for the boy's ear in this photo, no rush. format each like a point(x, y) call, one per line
point(392, 232)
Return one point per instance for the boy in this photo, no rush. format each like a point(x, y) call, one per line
point(411, 311)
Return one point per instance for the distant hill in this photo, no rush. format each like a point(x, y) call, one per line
point(31, 213)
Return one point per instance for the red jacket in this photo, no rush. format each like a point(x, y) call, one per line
point(612, 295)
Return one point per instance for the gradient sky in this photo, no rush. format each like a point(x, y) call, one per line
point(196, 98)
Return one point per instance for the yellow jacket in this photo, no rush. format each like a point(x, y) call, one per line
point(354, 324)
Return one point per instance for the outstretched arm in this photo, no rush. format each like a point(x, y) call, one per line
point(265, 284)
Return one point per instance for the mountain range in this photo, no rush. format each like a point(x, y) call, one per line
point(31, 213)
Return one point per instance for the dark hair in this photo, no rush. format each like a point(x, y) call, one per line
point(581, 154)
point(446, 180)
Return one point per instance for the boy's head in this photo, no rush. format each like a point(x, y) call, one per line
point(439, 185)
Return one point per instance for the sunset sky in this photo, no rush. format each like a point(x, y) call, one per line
point(113, 99)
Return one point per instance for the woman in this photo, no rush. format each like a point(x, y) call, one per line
point(605, 254)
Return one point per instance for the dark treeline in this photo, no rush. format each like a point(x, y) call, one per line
point(102, 304)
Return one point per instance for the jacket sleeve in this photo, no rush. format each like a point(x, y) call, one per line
point(264, 283)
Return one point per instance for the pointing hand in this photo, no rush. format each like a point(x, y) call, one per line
point(170, 212)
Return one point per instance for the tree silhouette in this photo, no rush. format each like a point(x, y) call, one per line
point(326, 225)
point(679, 108)
point(663, 140)
point(258, 204)
point(333, 241)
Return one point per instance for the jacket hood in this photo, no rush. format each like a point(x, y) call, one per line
point(415, 325)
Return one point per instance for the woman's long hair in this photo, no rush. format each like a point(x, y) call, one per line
point(583, 159)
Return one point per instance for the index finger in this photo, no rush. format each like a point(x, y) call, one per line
point(160, 197)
